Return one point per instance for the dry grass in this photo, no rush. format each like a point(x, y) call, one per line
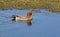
point(53, 5)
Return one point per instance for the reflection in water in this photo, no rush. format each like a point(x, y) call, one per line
point(29, 23)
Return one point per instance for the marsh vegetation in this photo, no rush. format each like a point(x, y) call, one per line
point(52, 5)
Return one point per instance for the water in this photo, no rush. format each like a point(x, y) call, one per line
point(44, 24)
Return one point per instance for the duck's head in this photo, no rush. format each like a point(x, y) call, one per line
point(29, 14)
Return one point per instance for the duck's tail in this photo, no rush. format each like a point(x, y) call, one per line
point(13, 17)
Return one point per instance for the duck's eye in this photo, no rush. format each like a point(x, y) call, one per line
point(30, 14)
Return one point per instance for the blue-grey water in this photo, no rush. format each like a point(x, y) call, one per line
point(43, 24)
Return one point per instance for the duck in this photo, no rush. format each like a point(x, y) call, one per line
point(23, 18)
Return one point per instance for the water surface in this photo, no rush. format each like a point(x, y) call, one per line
point(44, 24)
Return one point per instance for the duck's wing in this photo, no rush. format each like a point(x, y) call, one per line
point(21, 16)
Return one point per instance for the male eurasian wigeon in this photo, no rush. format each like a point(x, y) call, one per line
point(23, 18)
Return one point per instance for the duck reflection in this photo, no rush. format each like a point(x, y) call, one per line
point(29, 23)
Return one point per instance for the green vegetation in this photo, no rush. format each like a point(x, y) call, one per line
point(52, 5)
